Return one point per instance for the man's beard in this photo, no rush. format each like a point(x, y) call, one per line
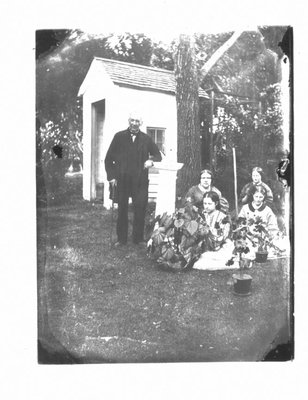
point(133, 130)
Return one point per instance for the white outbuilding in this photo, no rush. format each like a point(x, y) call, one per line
point(110, 90)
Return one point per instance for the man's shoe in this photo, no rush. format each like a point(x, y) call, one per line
point(119, 244)
point(140, 243)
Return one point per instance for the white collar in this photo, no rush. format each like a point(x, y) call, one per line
point(202, 188)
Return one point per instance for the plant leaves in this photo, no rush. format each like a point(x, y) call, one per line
point(170, 232)
point(158, 238)
point(187, 254)
point(163, 219)
point(203, 230)
point(192, 227)
point(167, 252)
point(187, 241)
point(168, 222)
point(179, 222)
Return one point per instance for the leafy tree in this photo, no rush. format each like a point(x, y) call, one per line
point(188, 79)
point(61, 70)
point(247, 68)
point(48, 40)
point(271, 121)
point(163, 55)
point(134, 48)
point(248, 119)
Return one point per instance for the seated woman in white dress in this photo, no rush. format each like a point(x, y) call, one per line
point(258, 208)
point(219, 246)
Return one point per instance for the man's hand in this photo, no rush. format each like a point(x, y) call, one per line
point(113, 182)
point(148, 164)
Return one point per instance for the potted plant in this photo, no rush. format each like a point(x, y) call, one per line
point(262, 239)
point(240, 236)
point(178, 240)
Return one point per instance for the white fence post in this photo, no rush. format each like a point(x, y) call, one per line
point(166, 189)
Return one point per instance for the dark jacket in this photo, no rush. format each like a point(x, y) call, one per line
point(194, 197)
point(127, 158)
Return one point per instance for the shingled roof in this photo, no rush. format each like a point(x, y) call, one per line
point(140, 76)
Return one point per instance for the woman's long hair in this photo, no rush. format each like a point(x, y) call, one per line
point(259, 189)
point(215, 198)
point(260, 171)
point(209, 172)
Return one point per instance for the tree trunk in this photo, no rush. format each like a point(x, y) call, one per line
point(187, 86)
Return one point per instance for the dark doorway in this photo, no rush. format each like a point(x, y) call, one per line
point(98, 121)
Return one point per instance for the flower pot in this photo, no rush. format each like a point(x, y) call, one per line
point(242, 284)
point(261, 256)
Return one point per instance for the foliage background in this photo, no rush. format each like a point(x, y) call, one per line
point(250, 121)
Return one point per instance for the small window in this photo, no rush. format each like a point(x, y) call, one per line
point(158, 137)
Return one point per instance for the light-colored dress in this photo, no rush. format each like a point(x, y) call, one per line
point(248, 211)
point(264, 212)
point(215, 260)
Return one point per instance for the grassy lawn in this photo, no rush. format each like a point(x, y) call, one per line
point(115, 305)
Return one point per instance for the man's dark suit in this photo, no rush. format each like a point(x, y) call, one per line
point(125, 162)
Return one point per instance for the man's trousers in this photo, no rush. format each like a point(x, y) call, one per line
point(128, 187)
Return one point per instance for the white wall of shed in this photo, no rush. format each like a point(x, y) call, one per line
point(157, 110)
point(97, 86)
point(86, 140)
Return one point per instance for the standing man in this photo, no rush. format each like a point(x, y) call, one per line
point(130, 155)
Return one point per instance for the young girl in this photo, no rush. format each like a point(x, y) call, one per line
point(258, 208)
point(219, 247)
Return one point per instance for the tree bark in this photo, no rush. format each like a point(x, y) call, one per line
point(187, 98)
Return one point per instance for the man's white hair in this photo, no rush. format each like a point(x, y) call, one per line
point(135, 114)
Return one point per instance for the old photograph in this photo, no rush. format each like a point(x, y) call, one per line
point(164, 196)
